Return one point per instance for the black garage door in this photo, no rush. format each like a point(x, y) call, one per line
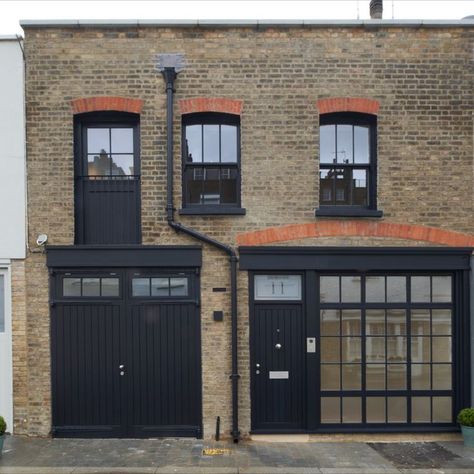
point(125, 354)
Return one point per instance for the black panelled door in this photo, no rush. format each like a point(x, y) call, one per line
point(125, 355)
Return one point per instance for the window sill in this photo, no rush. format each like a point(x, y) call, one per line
point(212, 211)
point(346, 211)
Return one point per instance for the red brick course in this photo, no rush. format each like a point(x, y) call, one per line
point(101, 103)
point(348, 104)
point(351, 228)
point(216, 104)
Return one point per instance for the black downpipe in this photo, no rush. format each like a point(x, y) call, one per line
point(169, 74)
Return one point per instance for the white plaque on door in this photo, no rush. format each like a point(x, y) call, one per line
point(279, 374)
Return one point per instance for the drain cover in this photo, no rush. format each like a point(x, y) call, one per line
point(214, 451)
point(423, 455)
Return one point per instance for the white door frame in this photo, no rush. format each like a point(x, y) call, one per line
point(6, 387)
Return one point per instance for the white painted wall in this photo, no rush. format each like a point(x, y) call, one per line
point(12, 151)
point(12, 202)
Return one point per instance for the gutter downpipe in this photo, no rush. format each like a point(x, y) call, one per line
point(169, 74)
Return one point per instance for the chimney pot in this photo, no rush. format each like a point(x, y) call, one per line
point(376, 9)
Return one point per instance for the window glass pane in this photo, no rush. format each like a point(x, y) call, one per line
point(194, 182)
point(375, 407)
point(344, 144)
point(441, 348)
point(442, 410)
point(98, 165)
point(98, 140)
point(229, 185)
point(327, 143)
point(351, 377)
point(396, 289)
point(343, 186)
point(228, 143)
point(350, 322)
point(361, 144)
point(2, 303)
point(71, 287)
point(420, 377)
point(330, 410)
point(179, 286)
point(359, 188)
point(375, 349)
point(91, 287)
point(441, 322)
point(329, 289)
point(330, 349)
point(141, 287)
point(442, 377)
point(211, 143)
point(375, 322)
point(421, 409)
point(420, 349)
point(351, 409)
point(375, 289)
point(326, 178)
point(330, 322)
point(420, 289)
point(396, 322)
point(350, 289)
point(160, 287)
point(375, 376)
point(351, 349)
point(193, 145)
point(330, 376)
point(211, 187)
point(396, 409)
point(122, 165)
point(396, 349)
point(122, 140)
point(277, 287)
point(441, 289)
point(110, 286)
point(396, 376)
point(420, 322)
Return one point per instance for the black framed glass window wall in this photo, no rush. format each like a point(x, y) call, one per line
point(211, 162)
point(347, 162)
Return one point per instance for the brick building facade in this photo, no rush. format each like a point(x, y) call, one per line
point(278, 86)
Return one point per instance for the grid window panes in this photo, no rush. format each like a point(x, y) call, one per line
point(386, 349)
point(163, 286)
point(91, 286)
point(110, 152)
point(347, 160)
point(211, 160)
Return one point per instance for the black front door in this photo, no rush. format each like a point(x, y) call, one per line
point(125, 354)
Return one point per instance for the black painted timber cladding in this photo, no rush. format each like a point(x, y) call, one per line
point(125, 366)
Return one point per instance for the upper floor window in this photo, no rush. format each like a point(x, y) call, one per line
point(211, 164)
point(107, 184)
point(347, 165)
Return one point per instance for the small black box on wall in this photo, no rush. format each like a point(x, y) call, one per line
point(218, 315)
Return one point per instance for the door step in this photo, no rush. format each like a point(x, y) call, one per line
point(281, 438)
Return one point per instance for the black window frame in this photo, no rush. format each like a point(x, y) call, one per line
point(354, 210)
point(210, 118)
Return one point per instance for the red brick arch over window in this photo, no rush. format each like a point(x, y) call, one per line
point(103, 103)
point(348, 104)
point(215, 104)
point(353, 228)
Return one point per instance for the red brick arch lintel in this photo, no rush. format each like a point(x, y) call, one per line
point(354, 228)
point(104, 103)
point(210, 104)
point(348, 104)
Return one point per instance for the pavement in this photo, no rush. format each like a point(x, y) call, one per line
point(22, 455)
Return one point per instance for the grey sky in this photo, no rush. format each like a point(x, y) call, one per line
point(12, 11)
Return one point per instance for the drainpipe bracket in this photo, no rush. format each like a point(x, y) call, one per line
point(234, 376)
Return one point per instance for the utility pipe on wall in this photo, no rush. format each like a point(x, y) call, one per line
point(170, 65)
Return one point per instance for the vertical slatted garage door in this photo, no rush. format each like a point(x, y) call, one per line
point(125, 354)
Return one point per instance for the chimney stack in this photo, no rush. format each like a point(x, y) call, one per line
point(376, 9)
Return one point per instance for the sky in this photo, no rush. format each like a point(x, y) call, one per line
point(12, 11)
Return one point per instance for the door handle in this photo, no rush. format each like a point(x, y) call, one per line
point(122, 370)
point(121, 367)
point(278, 346)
